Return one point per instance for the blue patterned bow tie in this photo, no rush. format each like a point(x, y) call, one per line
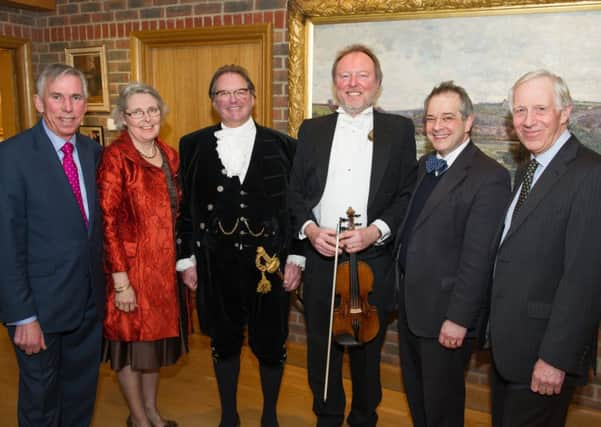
point(434, 164)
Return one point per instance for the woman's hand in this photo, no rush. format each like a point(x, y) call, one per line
point(126, 300)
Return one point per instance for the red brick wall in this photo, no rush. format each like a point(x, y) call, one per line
point(109, 22)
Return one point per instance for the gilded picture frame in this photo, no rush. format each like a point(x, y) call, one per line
point(93, 132)
point(91, 61)
point(304, 14)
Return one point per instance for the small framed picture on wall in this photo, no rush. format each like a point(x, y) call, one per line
point(91, 61)
point(94, 132)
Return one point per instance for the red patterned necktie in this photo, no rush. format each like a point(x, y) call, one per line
point(71, 171)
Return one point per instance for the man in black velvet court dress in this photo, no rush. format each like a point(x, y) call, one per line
point(234, 180)
point(365, 159)
point(445, 259)
point(546, 292)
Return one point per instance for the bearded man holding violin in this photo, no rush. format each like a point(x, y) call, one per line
point(361, 158)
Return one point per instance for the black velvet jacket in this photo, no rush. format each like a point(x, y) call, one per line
point(218, 213)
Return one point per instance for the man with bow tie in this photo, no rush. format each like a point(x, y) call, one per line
point(234, 179)
point(365, 159)
point(445, 258)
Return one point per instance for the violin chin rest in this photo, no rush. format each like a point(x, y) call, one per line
point(347, 340)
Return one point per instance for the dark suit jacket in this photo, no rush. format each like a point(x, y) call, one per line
point(48, 259)
point(392, 173)
point(546, 293)
point(201, 173)
point(449, 258)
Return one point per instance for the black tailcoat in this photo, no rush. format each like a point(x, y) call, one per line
point(392, 179)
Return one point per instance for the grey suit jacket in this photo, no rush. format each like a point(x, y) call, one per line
point(546, 294)
point(49, 261)
point(450, 257)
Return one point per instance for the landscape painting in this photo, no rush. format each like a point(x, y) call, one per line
point(484, 54)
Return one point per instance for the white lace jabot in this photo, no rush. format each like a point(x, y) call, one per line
point(235, 146)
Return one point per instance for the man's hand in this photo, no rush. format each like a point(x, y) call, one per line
point(292, 277)
point(322, 239)
point(546, 379)
point(189, 278)
point(451, 335)
point(30, 338)
point(356, 240)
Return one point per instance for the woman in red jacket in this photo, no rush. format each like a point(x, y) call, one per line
point(146, 323)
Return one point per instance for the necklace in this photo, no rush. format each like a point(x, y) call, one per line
point(154, 151)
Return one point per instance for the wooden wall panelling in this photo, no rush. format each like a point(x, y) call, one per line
point(180, 63)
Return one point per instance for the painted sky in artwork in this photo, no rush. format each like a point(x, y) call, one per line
point(483, 54)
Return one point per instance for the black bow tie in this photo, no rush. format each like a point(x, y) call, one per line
point(434, 164)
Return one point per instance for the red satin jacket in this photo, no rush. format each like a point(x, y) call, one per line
point(139, 239)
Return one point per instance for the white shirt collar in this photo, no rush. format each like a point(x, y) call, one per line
point(545, 158)
point(362, 116)
point(57, 141)
point(452, 156)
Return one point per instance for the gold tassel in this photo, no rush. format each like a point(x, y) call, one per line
point(265, 263)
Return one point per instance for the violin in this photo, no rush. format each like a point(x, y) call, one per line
point(355, 321)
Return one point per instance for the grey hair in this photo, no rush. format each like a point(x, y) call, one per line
point(563, 98)
point(132, 89)
point(466, 108)
point(230, 69)
point(51, 72)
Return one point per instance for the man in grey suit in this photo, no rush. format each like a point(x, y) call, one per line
point(546, 293)
point(444, 259)
point(52, 285)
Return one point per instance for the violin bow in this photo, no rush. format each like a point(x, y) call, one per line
point(325, 386)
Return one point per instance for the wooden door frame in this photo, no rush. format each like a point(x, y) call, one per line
point(141, 42)
point(25, 82)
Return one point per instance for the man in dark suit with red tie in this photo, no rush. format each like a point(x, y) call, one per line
point(546, 292)
point(445, 259)
point(52, 286)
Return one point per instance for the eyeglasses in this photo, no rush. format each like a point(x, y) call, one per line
point(238, 93)
point(139, 113)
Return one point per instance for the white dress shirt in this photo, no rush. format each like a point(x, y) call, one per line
point(349, 174)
